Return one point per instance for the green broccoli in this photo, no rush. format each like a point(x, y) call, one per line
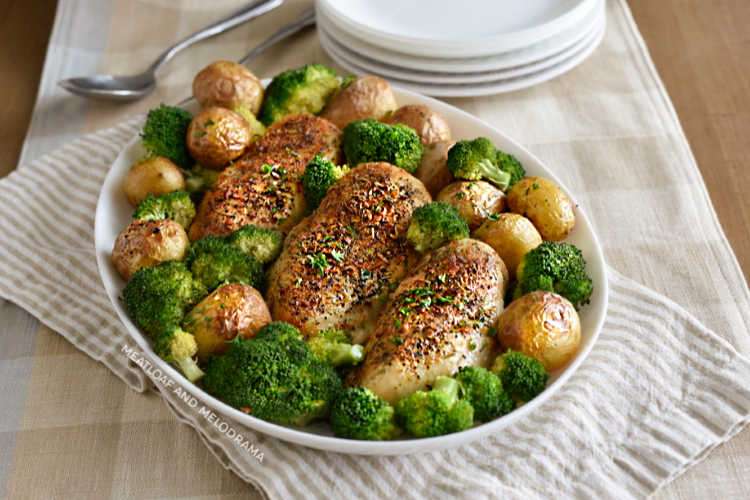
point(555, 267)
point(256, 127)
point(335, 347)
point(177, 346)
point(156, 297)
point(320, 174)
point(358, 413)
point(273, 376)
point(260, 243)
point(436, 412)
point(435, 224)
point(523, 377)
point(509, 164)
point(303, 90)
point(198, 179)
point(476, 160)
point(164, 134)
point(214, 262)
point(370, 140)
point(176, 206)
point(484, 390)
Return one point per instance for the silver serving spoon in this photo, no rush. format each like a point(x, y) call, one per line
point(130, 88)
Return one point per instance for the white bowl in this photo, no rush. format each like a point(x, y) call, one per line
point(113, 213)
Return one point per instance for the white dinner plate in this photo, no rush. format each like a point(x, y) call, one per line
point(113, 213)
point(456, 29)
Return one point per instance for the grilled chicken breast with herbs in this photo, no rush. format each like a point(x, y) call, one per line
point(436, 321)
point(263, 187)
point(339, 264)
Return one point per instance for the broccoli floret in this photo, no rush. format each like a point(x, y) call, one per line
point(523, 377)
point(435, 224)
point(156, 297)
point(273, 376)
point(320, 174)
point(555, 267)
point(436, 412)
point(484, 390)
point(256, 127)
point(164, 134)
point(260, 243)
point(176, 206)
point(177, 346)
point(198, 179)
point(370, 140)
point(303, 90)
point(358, 413)
point(476, 160)
point(509, 164)
point(335, 347)
point(214, 262)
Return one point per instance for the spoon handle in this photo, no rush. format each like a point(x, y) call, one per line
point(250, 11)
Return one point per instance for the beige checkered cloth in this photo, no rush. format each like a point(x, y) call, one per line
point(658, 392)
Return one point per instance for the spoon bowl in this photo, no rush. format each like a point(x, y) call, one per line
point(111, 87)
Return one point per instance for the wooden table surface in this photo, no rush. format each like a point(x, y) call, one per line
point(700, 49)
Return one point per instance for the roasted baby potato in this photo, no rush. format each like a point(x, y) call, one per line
point(366, 97)
point(228, 85)
point(429, 126)
point(542, 325)
point(432, 170)
point(230, 310)
point(217, 136)
point(545, 204)
point(148, 243)
point(155, 176)
point(475, 200)
point(511, 235)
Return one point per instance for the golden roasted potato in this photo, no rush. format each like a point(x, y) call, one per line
point(228, 85)
point(542, 325)
point(157, 175)
point(475, 200)
point(429, 126)
point(511, 235)
point(230, 310)
point(148, 243)
point(217, 136)
point(543, 202)
point(366, 97)
point(432, 170)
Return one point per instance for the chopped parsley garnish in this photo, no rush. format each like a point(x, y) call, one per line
point(365, 274)
point(298, 282)
point(492, 332)
point(494, 217)
point(397, 340)
point(318, 262)
point(337, 255)
point(209, 123)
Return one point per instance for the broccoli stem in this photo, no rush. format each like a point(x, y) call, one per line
point(190, 368)
point(493, 173)
point(346, 354)
point(447, 385)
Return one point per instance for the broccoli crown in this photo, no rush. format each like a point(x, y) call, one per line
point(370, 140)
point(273, 376)
point(157, 297)
point(164, 134)
point(303, 90)
point(335, 347)
point(436, 412)
point(358, 413)
point(214, 262)
point(320, 174)
point(484, 390)
point(523, 377)
point(176, 206)
point(256, 127)
point(509, 164)
point(476, 160)
point(177, 346)
point(261, 244)
point(435, 224)
point(555, 267)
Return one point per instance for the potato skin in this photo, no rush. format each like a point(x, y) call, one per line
point(429, 126)
point(475, 200)
point(157, 175)
point(216, 136)
point(148, 243)
point(432, 170)
point(228, 311)
point(542, 325)
point(228, 85)
point(512, 236)
point(546, 205)
point(366, 97)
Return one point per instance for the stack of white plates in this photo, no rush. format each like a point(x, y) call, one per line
point(460, 48)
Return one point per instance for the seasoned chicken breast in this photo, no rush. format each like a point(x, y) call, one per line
point(263, 188)
point(339, 264)
point(436, 321)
